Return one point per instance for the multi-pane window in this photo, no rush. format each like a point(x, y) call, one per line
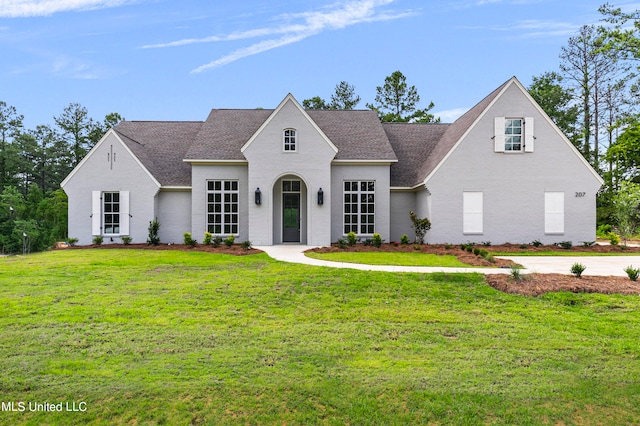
point(513, 134)
point(222, 207)
point(359, 207)
point(289, 140)
point(111, 211)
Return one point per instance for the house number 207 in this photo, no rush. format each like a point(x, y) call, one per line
point(580, 194)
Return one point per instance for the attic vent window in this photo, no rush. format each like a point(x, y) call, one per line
point(290, 140)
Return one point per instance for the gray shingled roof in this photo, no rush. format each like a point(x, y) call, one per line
point(413, 144)
point(161, 146)
point(358, 135)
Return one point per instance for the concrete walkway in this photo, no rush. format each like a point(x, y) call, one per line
point(596, 265)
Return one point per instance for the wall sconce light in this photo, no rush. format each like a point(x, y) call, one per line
point(320, 197)
point(258, 196)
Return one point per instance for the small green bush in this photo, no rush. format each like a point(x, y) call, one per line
point(567, 245)
point(614, 239)
point(154, 227)
point(404, 239)
point(476, 251)
point(536, 243)
point(188, 240)
point(417, 246)
point(377, 240)
point(98, 239)
point(516, 273)
point(448, 246)
point(632, 273)
point(352, 238)
point(342, 243)
point(489, 258)
point(207, 238)
point(486, 243)
point(577, 269)
point(126, 240)
point(216, 241)
point(246, 245)
point(588, 243)
point(523, 246)
point(367, 242)
point(229, 240)
point(72, 241)
point(604, 230)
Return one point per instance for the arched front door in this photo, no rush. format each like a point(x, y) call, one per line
point(290, 211)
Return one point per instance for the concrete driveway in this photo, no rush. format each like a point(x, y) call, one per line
point(596, 265)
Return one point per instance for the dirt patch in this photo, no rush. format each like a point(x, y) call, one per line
point(537, 284)
point(235, 249)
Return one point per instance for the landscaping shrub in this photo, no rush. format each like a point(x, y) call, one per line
point(126, 240)
point(604, 230)
point(246, 245)
point(632, 273)
point(367, 242)
point(577, 269)
point(448, 246)
point(229, 240)
point(567, 245)
point(207, 238)
point(420, 226)
point(377, 240)
point(154, 227)
point(516, 273)
point(352, 238)
point(614, 239)
point(417, 246)
point(588, 243)
point(216, 241)
point(536, 243)
point(342, 243)
point(188, 240)
point(98, 239)
point(486, 243)
point(72, 241)
point(404, 239)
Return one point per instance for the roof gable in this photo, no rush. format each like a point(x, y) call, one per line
point(161, 146)
point(288, 99)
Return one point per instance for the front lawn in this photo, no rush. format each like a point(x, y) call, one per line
point(390, 258)
point(170, 337)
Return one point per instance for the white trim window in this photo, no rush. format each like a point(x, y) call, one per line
point(554, 212)
point(110, 213)
point(472, 212)
point(359, 207)
point(513, 134)
point(222, 207)
point(290, 138)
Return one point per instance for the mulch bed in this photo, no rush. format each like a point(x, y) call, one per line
point(537, 284)
point(235, 249)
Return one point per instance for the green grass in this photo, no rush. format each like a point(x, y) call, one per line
point(162, 337)
point(389, 258)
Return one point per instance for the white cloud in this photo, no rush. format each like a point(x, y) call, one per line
point(294, 28)
point(26, 8)
point(533, 28)
point(450, 115)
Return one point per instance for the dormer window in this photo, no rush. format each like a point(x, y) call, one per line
point(290, 140)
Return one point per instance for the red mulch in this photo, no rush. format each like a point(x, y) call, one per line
point(235, 249)
point(537, 284)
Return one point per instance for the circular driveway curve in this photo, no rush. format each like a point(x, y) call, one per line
point(596, 265)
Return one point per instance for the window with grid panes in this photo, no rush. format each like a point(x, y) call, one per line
point(359, 207)
point(222, 207)
point(513, 134)
point(111, 209)
point(290, 140)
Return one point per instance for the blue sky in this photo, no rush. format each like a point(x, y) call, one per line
point(175, 60)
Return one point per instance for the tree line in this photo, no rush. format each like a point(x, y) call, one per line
point(33, 163)
point(593, 97)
